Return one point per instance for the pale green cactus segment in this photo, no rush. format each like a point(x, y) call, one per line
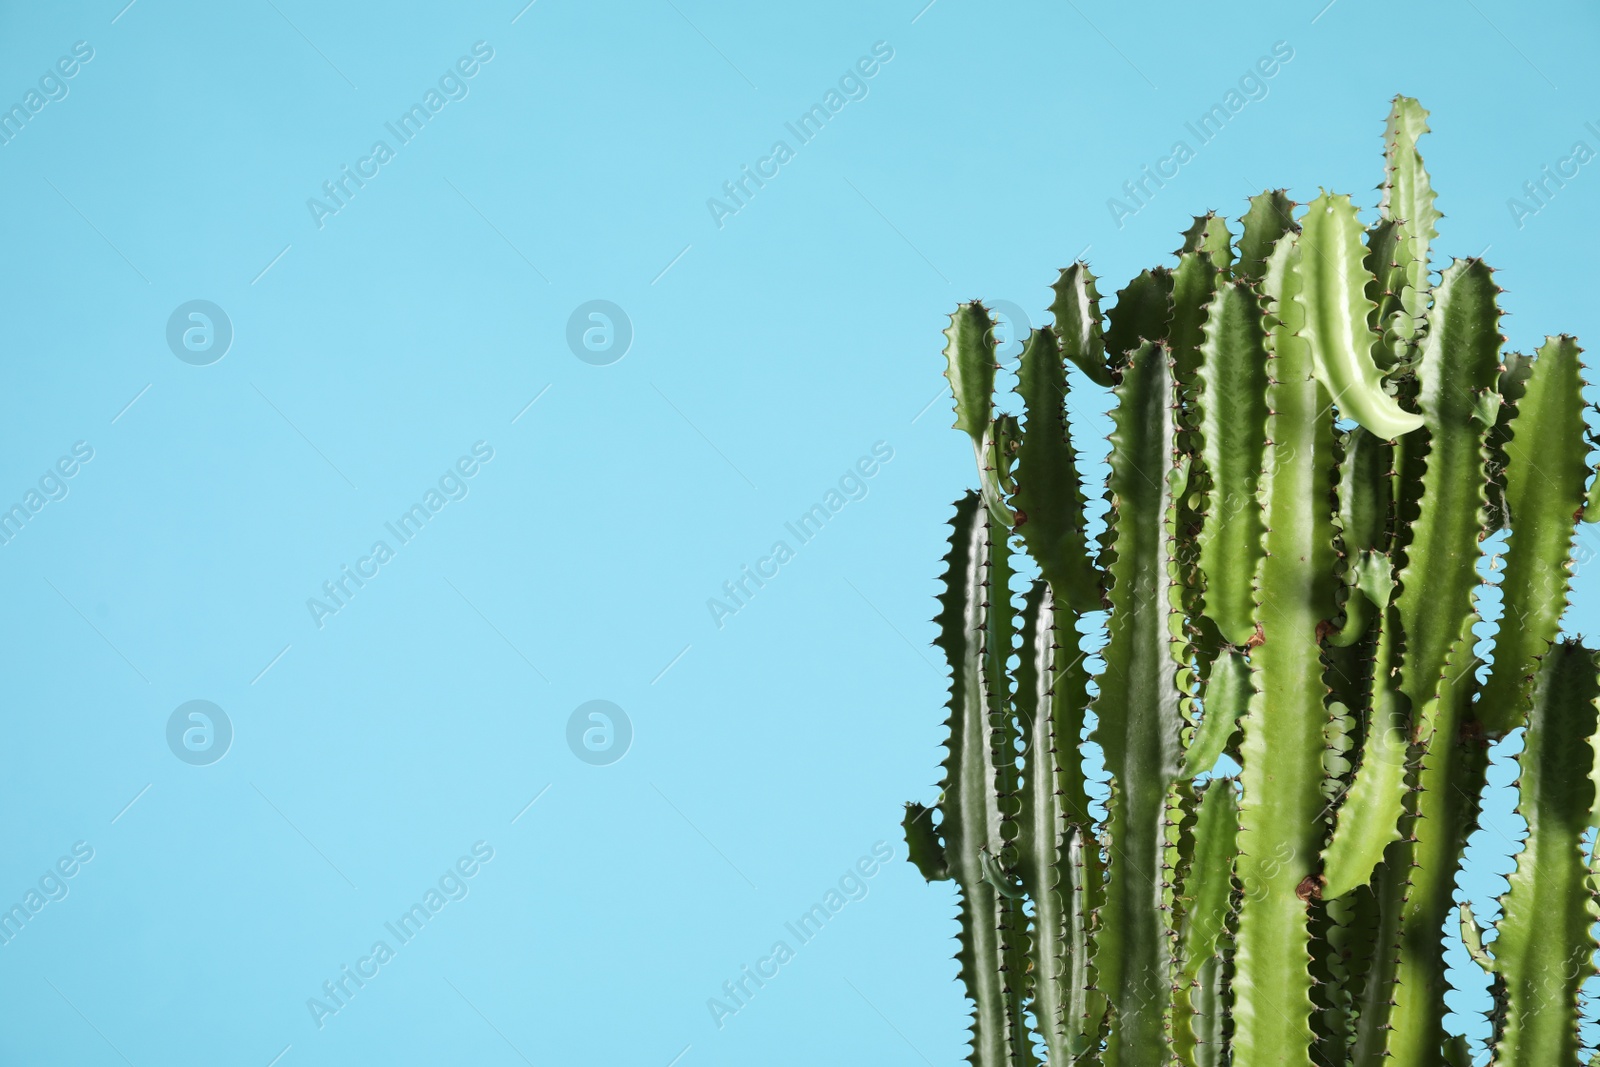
point(1232, 408)
point(1546, 946)
point(1143, 312)
point(971, 795)
point(1048, 502)
point(1271, 215)
point(1408, 198)
point(1209, 236)
point(1207, 892)
point(1544, 482)
point(1333, 292)
point(1077, 323)
point(1139, 701)
point(1281, 808)
point(1458, 366)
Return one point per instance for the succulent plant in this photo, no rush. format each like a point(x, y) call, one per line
point(1313, 437)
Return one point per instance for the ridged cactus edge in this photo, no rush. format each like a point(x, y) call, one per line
point(1313, 436)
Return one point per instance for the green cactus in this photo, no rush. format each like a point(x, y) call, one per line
point(1311, 439)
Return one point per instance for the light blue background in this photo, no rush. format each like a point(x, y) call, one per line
point(769, 354)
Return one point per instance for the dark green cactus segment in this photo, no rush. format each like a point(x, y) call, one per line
point(970, 366)
point(1194, 283)
point(1209, 236)
point(1368, 819)
point(1206, 904)
point(1083, 893)
point(1365, 493)
point(1388, 282)
point(1077, 323)
point(1379, 911)
point(923, 847)
point(1281, 808)
point(1546, 949)
point(1143, 312)
point(1232, 426)
point(1516, 368)
point(1544, 481)
point(1449, 785)
point(971, 792)
point(1043, 863)
point(1138, 704)
point(1049, 499)
point(1271, 215)
point(1005, 745)
point(1458, 367)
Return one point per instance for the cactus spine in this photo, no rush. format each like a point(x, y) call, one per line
point(1310, 442)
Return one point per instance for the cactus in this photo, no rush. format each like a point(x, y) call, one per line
point(1312, 438)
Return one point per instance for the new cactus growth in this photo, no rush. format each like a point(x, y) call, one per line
point(1312, 437)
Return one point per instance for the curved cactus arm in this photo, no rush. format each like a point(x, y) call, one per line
point(1281, 808)
point(1472, 938)
point(1206, 903)
point(1077, 323)
point(969, 367)
point(1139, 704)
point(1591, 508)
point(970, 802)
point(1270, 216)
point(1544, 490)
point(1209, 236)
point(1337, 315)
point(1546, 946)
point(1143, 312)
point(1458, 366)
point(1232, 409)
point(1408, 198)
point(1049, 499)
point(1227, 695)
